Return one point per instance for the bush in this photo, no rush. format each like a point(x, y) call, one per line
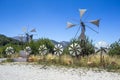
point(114, 48)
point(2, 52)
point(34, 47)
point(88, 47)
point(36, 44)
point(47, 43)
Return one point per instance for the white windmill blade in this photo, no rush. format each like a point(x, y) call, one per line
point(82, 12)
point(69, 25)
point(74, 49)
point(58, 49)
point(95, 22)
point(24, 29)
point(43, 50)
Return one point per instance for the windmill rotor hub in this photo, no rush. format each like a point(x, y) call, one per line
point(74, 49)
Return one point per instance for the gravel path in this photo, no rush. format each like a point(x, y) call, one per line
point(13, 71)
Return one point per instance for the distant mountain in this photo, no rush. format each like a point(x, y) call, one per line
point(54, 42)
point(20, 38)
point(63, 43)
point(16, 37)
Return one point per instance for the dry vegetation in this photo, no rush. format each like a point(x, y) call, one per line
point(92, 61)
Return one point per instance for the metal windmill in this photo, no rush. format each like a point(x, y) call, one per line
point(58, 49)
point(83, 25)
point(43, 50)
point(29, 34)
point(75, 49)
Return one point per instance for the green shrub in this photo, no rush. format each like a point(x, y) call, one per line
point(2, 52)
point(47, 43)
point(34, 45)
point(114, 48)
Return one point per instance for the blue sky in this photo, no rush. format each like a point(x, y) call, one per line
point(49, 17)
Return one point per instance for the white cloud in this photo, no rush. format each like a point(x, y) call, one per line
point(101, 44)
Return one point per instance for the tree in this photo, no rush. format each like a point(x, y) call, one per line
point(2, 52)
point(88, 47)
point(114, 48)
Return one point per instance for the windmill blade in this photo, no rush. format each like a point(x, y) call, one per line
point(95, 22)
point(82, 12)
point(69, 25)
point(24, 29)
point(33, 30)
point(92, 29)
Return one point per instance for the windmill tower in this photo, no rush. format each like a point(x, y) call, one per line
point(83, 25)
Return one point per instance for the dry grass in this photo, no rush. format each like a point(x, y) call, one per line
point(66, 60)
point(34, 58)
point(108, 62)
point(87, 61)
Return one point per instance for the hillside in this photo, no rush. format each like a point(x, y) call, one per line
point(4, 40)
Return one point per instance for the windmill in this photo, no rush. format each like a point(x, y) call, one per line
point(58, 49)
point(82, 25)
point(29, 34)
point(43, 50)
point(74, 49)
